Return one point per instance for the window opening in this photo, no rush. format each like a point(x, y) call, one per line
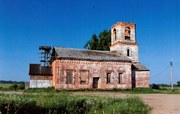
point(108, 78)
point(115, 37)
point(69, 76)
point(127, 33)
point(120, 78)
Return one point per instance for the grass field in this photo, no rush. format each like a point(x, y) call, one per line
point(11, 86)
point(164, 90)
point(67, 103)
point(168, 88)
point(5, 85)
point(153, 91)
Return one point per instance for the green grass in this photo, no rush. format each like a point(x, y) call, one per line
point(5, 85)
point(11, 86)
point(168, 88)
point(66, 103)
point(162, 90)
point(40, 90)
point(152, 91)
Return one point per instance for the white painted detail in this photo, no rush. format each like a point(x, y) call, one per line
point(40, 83)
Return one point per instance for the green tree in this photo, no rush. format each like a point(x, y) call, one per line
point(178, 83)
point(102, 42)
point(93, 43)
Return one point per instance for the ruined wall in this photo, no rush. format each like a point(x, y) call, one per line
point(37, 81)
point(95, 69)
point(142, 79)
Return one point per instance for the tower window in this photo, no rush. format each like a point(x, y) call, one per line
point(127, 33)
point(115, 37)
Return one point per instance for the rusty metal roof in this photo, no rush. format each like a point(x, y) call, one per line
point(94, 55)
point(37, 69)
point(139, 67)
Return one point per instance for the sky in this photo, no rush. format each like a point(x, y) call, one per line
point(27, 24)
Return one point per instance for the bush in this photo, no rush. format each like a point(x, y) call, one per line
point(13, 87)
point(178, 83)
point(155, 86)
point(21, 86)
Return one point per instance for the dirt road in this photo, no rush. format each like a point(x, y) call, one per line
point(160, 103)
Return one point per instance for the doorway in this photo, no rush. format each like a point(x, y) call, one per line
point(95, 82)
point(133, 82)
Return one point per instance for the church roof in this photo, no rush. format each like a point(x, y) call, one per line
point(139, 67)
point(93, 55)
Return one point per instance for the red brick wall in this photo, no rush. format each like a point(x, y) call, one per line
point(95, 69)
point(142, 79)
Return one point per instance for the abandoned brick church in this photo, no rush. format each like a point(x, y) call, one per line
point(118, 68)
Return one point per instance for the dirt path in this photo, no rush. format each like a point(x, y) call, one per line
point(160, 103)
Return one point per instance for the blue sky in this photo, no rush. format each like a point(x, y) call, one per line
point(27, 24)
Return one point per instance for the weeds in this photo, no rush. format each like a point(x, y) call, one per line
point(63, 103)
point(131, 91)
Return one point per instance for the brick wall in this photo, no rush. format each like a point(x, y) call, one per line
point(95, 70)
point(142, 79)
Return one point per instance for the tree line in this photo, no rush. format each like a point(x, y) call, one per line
point(10, 82)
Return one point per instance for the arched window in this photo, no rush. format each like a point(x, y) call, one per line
point(115, 37)
point(127, 33)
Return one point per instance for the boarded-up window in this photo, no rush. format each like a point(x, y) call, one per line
point(119, 78)
point(83, 76)
point(108, 78)
point(69, 76)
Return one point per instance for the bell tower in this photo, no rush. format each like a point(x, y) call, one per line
point(123, 40)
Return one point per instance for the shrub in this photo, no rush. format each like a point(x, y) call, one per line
point(13, 87)
point(155, 86)
point(21, 86)
point(178, 83)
